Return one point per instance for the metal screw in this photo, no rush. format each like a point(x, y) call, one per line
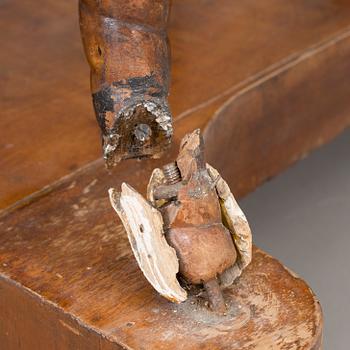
point(143, 132)
point(172, 173)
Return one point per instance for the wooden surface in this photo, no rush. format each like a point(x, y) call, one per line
point(267, 81)
point(220, 49)
point(78, 284)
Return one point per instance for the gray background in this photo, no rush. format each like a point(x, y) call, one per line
point(302, 217)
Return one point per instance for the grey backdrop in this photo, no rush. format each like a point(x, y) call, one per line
point(302, 217)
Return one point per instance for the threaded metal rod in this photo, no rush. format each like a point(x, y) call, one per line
point(216, 299)
point(171, 173)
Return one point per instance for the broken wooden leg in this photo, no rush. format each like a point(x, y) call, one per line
point(216, 299)
point(187, 201)
point(127, 49)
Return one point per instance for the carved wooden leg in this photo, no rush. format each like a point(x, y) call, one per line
point(127, 49)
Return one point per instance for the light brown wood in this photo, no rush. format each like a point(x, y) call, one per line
point(127, 48)
point(71, 258)
point(144, 226)
point(63, 248)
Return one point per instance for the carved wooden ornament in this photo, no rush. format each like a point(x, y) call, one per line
point(191, 224)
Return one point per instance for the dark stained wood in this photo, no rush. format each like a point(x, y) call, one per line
point(196, 219)
point(127, 48)
point(48, 126)
point(218, 49)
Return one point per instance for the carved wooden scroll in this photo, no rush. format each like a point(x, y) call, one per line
point(126, 45)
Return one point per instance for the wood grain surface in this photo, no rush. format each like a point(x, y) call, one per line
point(266, 81)
point(219, 50)
point(70, 256)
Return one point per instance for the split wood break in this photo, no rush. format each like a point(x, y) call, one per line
point(269, 92)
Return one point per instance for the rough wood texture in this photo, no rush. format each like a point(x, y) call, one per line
point(282, 65)
point(266, 65)
point(199, 232)
point(126, 45)
point(144, 226)
point(70, 258)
